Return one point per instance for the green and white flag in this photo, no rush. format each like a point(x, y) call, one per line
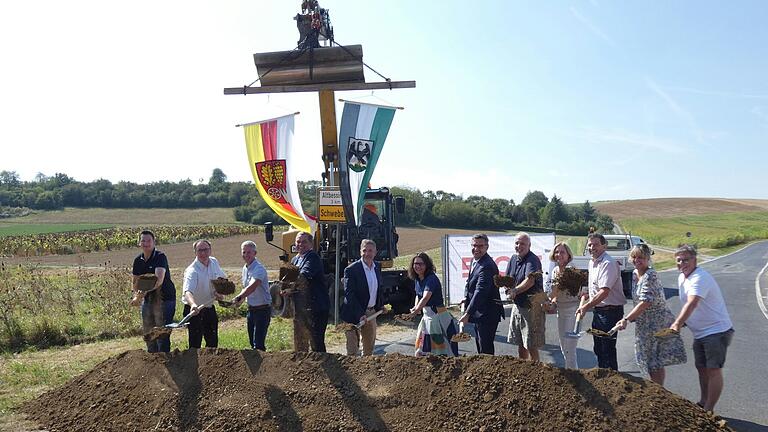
point(364, 129)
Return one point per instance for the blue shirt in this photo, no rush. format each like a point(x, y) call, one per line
point(431, 284)
point(520, 268)
point(251, 273)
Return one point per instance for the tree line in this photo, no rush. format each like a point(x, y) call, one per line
point(60, 190)
point(432, 208)
point(536, 212)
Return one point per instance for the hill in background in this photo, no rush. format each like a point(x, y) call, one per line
point(670, 207)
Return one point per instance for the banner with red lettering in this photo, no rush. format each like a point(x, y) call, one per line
point(457, 257)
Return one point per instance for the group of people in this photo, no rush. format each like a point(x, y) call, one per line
point(158, 305)
point(362, 296)
point(657, 339)
point(703, 308)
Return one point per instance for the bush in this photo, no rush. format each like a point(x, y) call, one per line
point(43, 334)
point(11, 334)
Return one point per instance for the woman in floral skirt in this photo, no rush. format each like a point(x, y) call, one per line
point(650, 315)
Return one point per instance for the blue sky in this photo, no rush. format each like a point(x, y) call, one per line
point(587, 100)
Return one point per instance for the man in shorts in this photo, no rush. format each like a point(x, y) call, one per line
point(703, 312)
point(526, 329)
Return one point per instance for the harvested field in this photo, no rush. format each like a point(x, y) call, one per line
point(227, 251)
point(669, 207)
point(230, 390)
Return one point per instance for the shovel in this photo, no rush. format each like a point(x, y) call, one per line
point(602, 334)
point(226, 303)
point(575, 334)
point(156, 332)
point(405, 317)
point(666, 333)
point(345, 327)
point(461, 336)
point(368, 318)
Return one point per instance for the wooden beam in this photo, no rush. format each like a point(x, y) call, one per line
point(320, 87)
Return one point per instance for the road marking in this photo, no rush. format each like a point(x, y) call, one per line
point(759, 292)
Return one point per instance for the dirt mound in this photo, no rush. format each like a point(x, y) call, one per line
point(228, 390)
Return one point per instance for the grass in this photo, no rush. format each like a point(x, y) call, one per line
point(404, 261)
point(712, 233)
point(132, 217)
point(30, 229)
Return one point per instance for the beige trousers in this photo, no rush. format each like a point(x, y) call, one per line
point(368, 335)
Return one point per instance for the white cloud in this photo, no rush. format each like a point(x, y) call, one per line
point(677, 109)
point(622, 138)
point(593, 28)
point(760, 113)
point(726, 94)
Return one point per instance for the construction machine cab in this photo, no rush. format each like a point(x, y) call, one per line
point(377, 222)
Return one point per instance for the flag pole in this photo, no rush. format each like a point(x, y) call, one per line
point(269, 119)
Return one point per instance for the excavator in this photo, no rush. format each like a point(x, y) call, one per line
point(326, 69)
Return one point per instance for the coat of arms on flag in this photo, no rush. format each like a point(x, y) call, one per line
point(362, 134)
point(271, 174)
point(268, 144)
point(358, 153)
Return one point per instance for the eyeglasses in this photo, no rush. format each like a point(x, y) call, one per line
point(683, 260)
point(418, 264)
point(203, 250)
point(479, 246)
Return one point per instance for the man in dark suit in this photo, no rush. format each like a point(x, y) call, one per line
point(481, 297)
point(311, 307)
point(362, 297)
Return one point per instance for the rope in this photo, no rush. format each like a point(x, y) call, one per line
point(296, 52)
point(364, 63)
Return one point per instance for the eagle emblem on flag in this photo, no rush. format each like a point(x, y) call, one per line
point(358, 153)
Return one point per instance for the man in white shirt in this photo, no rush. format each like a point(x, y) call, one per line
point(606, 296)
point(362, 297)
point(198, 296)
point(703, 312)
point(256, 291)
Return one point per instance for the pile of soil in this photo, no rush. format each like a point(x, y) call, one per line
point(229, 390)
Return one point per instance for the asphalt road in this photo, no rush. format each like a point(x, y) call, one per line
point(744, 402)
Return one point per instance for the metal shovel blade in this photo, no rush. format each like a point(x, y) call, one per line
point(575, 334)
point(461, 336)
point(226, 303)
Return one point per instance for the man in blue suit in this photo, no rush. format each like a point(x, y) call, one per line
point(362, 297)
point(481, 297)
point(312, 307)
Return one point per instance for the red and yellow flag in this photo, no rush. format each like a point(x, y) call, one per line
point(268, 144)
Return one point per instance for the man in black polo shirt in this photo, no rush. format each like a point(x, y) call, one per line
point(526, 328)
point(159, 304)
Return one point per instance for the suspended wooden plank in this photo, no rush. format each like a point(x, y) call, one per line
point(320, 65)
point(319, 87)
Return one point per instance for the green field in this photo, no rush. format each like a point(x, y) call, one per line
point(713, 233)
point(133, 217)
